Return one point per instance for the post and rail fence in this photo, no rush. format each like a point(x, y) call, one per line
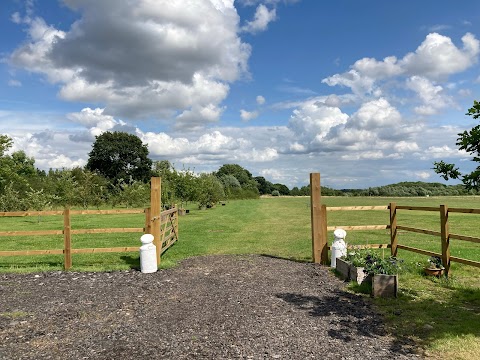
point(163, 225)
point(320, 229)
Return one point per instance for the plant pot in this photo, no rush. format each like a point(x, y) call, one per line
point(434, 272)
point(384, 285)
point(343, 268)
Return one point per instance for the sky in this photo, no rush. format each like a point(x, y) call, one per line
point(367, 93)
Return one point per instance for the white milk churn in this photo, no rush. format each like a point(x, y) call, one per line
point(339, 247)
point(148, 254)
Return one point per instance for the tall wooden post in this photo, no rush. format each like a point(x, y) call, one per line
point(148, 221)
point(67, 239)
point(155, 213)
point(323, 236)
point(445, 234)
point(319, 243)
point(393, 229)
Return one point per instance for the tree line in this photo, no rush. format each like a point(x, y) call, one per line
point(118, 172)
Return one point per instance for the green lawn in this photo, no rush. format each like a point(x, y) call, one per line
point(444, 316)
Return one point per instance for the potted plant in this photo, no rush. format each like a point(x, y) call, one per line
point(357, 268)
point(384, 275)
point(434, 266)
point(351, 266)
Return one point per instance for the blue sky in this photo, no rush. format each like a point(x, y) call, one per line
point(365, 92)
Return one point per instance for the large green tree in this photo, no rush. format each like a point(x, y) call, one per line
point(120, 156)
point(468, 141)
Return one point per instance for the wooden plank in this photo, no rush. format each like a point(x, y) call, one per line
point(421, 231)
point(393, 228)
point(31, 213)
point(420, 251)
point(105, 250)
point(420, 208)
point(28, 233)
point(315, 216)
point(464, 211)
point(356, 208)
point(31, 252)
point(104, 231)
point(67, 240)
point(445, 238)
point(464, 238)
point(107, 212)
point(366, 246)
point(170, 211)
point(155, 208)
point(465, 261)
point(359, 227)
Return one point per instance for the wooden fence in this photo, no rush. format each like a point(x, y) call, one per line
point(320, 229)
point(163, 225)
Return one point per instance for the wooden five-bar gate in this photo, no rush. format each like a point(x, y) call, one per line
point(163, 225)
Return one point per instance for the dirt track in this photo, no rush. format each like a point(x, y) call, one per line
point(212, 307)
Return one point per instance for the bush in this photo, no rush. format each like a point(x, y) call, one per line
point(275, 193)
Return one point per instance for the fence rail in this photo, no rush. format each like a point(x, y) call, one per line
point(162, 224)
point(320, 228)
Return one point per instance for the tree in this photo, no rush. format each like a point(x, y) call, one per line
point(120, 156)
point(468, 141)
point(210, 190)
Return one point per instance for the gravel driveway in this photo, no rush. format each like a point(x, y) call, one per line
point(209, 307)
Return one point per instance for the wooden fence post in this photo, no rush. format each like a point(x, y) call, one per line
point(148, 221)
point(445, 234)
point(155, 213)
point(67, 239)
point(393, 229)
point(323, 236)
point(319, 243)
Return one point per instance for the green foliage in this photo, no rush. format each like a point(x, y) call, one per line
point(374, 264)
point(10, 199)
point(5, 144)
point(275, 193)
point(210, 190)
point(120, 156)
point(468, 141)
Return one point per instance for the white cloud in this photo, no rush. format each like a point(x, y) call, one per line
point(14, 83)
point(432, 95)
point(437, 57)
point(248, 115)
point(261, 19)
point(260, 100)
point(142, 60)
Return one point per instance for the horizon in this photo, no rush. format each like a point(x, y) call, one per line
point(281, 87)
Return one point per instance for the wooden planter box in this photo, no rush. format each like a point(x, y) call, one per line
point(384, 285)
point(357, 274)
point(343, 268)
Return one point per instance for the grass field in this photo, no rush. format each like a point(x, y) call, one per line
point(444, 316)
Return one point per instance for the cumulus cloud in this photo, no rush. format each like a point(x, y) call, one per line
point(141, 60)
point(431, 95)
point(248, 115)
point(435, 59)
point(263, 16)
point(438, 57)
point(260, 100)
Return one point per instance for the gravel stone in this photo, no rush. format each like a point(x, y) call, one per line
point(209, 307)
